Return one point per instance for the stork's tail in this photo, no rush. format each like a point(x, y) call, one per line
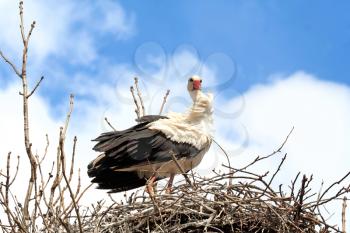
point(116, 181)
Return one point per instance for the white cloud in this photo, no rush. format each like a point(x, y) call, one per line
point(115, 20)
point(65, 29)
point(319, 111)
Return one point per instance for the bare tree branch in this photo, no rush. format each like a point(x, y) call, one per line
point(36, 86)
point(164, 101)
point(139, 95)
point(110, 125)
point(343, 216)
point(11, 64)
point(137, 110)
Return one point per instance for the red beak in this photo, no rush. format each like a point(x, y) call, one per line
point(196, 84)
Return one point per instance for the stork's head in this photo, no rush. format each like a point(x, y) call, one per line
point(194, 83)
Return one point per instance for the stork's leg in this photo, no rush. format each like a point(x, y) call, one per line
point(149, 185)
point(170, 184)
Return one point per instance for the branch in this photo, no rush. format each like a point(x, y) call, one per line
point(164, 101)
point(11, 64)
point(180, 168)
point(258, 158)
point(63, 165)
point(139, 95)
point(343, 217)
point(110, 125)
point(32, 26)
point(21, 23)
point(36, 86)
point(137, 110)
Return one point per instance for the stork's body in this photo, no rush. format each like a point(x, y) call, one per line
point(144, 152)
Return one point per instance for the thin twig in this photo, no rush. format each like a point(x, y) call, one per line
point(11, 64)
point(164, 101)
point(180, 168)
point(137, 110)
point(36, 86)
point(110, 125)
point(140, 97)
point(61, 146)
point(343, 215)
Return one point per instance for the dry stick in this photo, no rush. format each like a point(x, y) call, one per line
point(46, 148)
point(27, 142)
point(11, 64)
point(104, 214)
point(56, 181)
point(23, 76)
point(164, 101)
point(72, 164)
point(110, 125)
point(137, 110)
point(139, 95)
point(329, 188)
point(7, 186)
point(299, 204)
point(273, 176)
point(61, 146)
point(21, 18)
point(343, 217)
point(73, 158)
point(36, 86)
point(228, 160)
point(180, 168)
point(258, 158)
point(69, 208)
point(16, 173)
point(8, 211)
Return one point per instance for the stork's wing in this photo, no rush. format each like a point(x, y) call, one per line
point(129, 148)
point(138, 145)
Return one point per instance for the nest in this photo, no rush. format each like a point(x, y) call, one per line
point(235, 201)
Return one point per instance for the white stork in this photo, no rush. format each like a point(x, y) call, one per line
point(142, 154)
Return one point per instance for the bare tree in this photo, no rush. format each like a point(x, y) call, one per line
point(44, 204)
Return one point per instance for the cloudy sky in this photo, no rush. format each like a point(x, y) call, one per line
point(270, 65)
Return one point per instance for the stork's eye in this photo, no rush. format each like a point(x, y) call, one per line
point(201, 81)
point(190, 80)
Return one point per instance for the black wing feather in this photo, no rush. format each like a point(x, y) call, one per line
point(134, 146)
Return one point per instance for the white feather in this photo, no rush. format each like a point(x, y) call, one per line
point(193, 127)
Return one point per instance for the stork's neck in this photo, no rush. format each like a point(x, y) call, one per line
point(201, 108)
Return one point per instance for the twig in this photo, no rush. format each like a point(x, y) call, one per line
point(46, 148)
point(299, 204)
point(137, 110)
point(22, 23)
point(16, 172)
point(61, 146)
point(110, 125)
point(258, 158)
point(30, 30)
point(228, 160)
point(164, 101)
point(180, 168)
point(140, 97)
point(275, 173)
point(343, 216)
point(36, 86)
point(11, 64)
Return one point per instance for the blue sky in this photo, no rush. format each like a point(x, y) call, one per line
point(271, 65)
point(263, 37)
